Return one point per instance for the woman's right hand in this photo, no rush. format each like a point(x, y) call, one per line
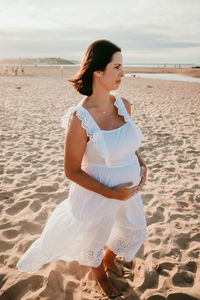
point(123, 191)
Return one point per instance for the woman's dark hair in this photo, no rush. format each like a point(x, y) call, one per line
point(96, 57)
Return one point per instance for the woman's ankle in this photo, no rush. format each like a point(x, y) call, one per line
point(109, 257)
point(99, 273)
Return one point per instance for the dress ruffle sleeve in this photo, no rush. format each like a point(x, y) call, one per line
point(91, 128)
point(66, 117)
point(122, 111)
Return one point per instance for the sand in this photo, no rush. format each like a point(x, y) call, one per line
point(32, 183)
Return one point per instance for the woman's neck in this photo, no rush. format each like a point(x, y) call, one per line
point(101, 99)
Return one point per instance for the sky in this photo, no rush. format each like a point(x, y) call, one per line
point(147, 31)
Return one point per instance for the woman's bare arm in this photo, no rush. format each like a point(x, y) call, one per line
point(141, 162)
point(75, 145)
point(143, 173)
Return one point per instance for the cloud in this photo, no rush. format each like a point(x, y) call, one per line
point(145, 28)
point(72, 39)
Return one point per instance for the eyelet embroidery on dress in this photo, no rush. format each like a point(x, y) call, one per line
point(93, 257)
point(129, 245)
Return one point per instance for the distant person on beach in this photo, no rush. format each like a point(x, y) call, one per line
point(22, 70)
point(12, 70)
point(5, 70)
point(16, 71)
point(103, 216)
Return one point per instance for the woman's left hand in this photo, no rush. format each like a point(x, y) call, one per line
point(143, 175)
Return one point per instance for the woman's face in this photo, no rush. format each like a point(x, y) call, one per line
point(112, 75)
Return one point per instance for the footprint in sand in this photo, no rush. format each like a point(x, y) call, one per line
point(5, 223)
point(6, 195)
point(182, 204)
point(14, 171)
point(30, 227)
point(179, 216)
point(179, 193)
point(170, 169)
point(18, 158)
point(16, 208)
point(35, 205)
point(190, 266)
point(10, 233)
point(151, 279)
point(41, 217)
point(156, 166)
point(4, 246)
point(147, 197)
point(165, 265)
point(155, 241)
point(156, 217)
point(47, 189)
point(28, 158)
point(182, 240)
point(183, 279)
point(174, 253)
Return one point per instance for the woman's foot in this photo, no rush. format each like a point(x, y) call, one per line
point(113, 267)
point(105, 284)
point(109, 264)
point(108, 289)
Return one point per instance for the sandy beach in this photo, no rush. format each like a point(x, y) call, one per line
point(33, 183)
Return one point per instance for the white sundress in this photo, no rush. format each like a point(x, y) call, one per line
point(83, 224)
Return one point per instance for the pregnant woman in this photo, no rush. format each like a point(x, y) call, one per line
point(103, 215)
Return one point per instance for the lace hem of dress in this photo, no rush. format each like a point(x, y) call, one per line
point(33, 259)
point(31, 264)
point(128, 246)
point(91, 258)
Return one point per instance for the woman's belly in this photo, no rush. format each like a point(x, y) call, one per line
point(85, 204)
point(114, 175)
